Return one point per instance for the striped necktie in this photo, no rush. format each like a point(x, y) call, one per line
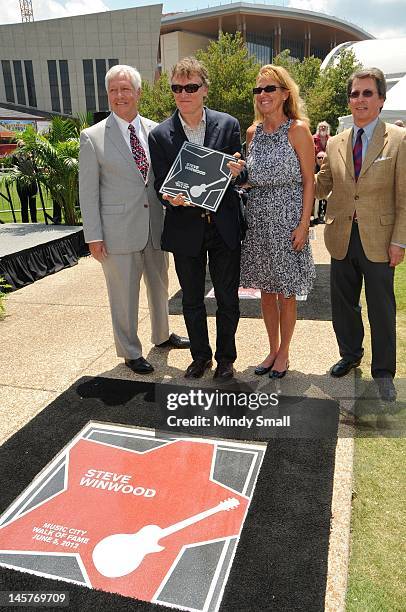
point(138, 152)
point(357, 153)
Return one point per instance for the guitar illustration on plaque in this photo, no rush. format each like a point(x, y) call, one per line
point(120, 554)
point(197, 190)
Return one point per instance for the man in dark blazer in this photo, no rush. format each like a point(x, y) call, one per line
point(365, 227)
point(192, 234)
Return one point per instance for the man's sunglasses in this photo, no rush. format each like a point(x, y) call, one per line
point(367, 93)
point(189, 88)
point(268, 89)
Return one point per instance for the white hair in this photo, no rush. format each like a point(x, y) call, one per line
point(130, 72)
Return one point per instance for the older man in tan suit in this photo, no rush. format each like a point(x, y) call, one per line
point(365, 171)
point(123, 218)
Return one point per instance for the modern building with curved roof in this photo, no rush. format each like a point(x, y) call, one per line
point(59, 65)
point(388, 54)
point(267, 30)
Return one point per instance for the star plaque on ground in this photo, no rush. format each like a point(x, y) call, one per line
point(201, 174)
point(129, 511)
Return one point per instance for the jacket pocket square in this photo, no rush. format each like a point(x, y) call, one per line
point(381, 159)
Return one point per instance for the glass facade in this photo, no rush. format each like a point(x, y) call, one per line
point(65, 86)
point(261, 47)
point(296, 47)
point(19, 81)
point(8, 80)
point(101, 89)
point(320, 53)
point(29, 78)
point(54, 86)
point(88, 78)
point(112, 62)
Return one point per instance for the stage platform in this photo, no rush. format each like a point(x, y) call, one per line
point(31, 251)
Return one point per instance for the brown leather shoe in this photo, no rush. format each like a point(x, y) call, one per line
point(224, 370)
point(198, 367)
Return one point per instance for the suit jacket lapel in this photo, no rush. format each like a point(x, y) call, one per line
point(212, 130)
point(378, 141)
point(345, 150)
point(178, 135)
point(114, 134)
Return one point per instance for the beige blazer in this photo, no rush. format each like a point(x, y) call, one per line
point(117, 206)
point(378, 197)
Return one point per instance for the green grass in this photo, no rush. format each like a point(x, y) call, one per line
point(7, 217)
point(377, 561)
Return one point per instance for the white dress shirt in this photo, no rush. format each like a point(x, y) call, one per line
point(142, 137)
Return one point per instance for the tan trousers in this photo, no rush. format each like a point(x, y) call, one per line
point(123, 275)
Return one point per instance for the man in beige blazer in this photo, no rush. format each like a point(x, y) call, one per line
point(365, 233)
point(123, 218)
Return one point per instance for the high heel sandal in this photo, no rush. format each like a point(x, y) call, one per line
point(260, 370)
point(276, 374)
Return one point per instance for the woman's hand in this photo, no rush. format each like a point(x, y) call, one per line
point(178, 200)
point(299, 236)
point(237, 166)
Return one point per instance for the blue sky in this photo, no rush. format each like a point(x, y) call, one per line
point(382, 18)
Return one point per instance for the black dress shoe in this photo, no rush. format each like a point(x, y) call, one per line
point(198, 367)
point(260, 370)
point(139, 366)
point(175, 341)
point(342, 367)
point(386, 388)
point(224, 370)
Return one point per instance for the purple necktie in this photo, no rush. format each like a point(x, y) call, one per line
point(357, 153)
point(138, 152)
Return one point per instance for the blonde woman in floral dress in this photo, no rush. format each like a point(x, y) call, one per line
point(276, 255)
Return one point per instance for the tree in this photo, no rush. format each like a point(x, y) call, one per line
point(327, 100)
point(232, 73)
point(157, 102)
point(305, 72)
point(55, 164)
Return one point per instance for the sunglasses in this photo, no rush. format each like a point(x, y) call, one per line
point(268, 89)
point(367, 93)
point(189, 88)
point(319, 157)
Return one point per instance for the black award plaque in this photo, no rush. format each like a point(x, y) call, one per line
point(201, 174)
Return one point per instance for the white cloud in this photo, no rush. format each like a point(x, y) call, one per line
point(318, 6)
point(387, 32)
point(51, 9)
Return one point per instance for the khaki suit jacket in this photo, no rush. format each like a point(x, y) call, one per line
point(117, 206)
point(378, 197)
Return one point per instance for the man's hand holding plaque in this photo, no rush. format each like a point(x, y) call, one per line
point(200, 176)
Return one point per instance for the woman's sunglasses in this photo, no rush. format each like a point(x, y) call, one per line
point(367, 93)
point(189, 88)
point(268, 89)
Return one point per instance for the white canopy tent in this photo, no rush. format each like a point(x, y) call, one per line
point(393, 109)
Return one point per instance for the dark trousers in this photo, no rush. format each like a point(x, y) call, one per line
point(28, 200)
point(346, 285)
point(224, 267)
